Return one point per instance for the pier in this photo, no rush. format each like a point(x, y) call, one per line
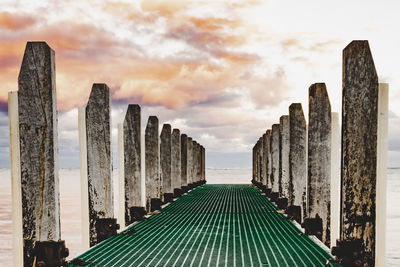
point(301, 207)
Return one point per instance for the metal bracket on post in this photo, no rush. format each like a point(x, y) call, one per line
point(267, 191)
point(155, 204)
point(177, 192)
point(294, 213)
point(350, 253)
point(313, 226)
point(282, 203)
point(50, 253)
point(137, 213)
point(274, 196)
point(168, 197)
point(106, 228)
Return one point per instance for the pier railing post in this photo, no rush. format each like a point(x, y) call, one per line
point(102, 223)
point(190, 162)
point(132, 166)
point(359, 155)
point(276, 187)
point(284, 147)
point(184, 163)
point(268, 162)
point(15, 166)
point(319, 163)
point(153, 179)
point(297, 162)
point(34, 159)
point(176, 162)
point(335, 179)
point(381, 169)
point(165, 163)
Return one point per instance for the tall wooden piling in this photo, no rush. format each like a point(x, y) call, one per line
point(131, 167)
point(381, 183)
point(359, 147)
point(34, 147)
point(176, 162)
point(152, 159)
point(263, 152)
point(165, 163)
point(203, 164)
point(284, 146)
point(189, 161)
point(184, 162)
point(319, 158)
point(276, 185)
point(335, 179)
point(268, 159)
point(298, 158)
point(99, 161)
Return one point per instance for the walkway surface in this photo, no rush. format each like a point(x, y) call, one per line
point(213, 225)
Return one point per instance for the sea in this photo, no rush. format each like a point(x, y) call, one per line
point(71, 215)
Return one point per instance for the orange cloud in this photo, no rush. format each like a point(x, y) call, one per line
point(13, 21)
point(166, 8)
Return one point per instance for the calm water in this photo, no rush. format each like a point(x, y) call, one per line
point(70, 209)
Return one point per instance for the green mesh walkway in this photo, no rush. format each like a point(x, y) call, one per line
point(213, 225)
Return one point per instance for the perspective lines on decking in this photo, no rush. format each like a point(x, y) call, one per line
point(212, 225)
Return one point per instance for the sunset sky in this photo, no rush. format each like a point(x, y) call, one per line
point(221, 71)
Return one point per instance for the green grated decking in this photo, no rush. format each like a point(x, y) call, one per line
point(213, 225)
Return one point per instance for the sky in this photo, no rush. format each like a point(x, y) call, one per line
point(221, 71)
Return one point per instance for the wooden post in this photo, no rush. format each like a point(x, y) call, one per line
point(298, 159)
point(319, 163)
point(381, 179)
point(38, 154)
point(84, 179)
point(176, 162)
point(121, 176)
point(359, 150)
point(335, 179)
point(15, 166)
point(184, 162)
point(99, 165)
point(276, 186)
point(284, 147)
point(165, 163)
point(153, 180)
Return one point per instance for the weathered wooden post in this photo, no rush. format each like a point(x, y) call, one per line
point(203, 165)
point(259, 160)
point(152, 158)
point(194, 156)
point(359, 157)
point(96, 126)
point(131, 205)
point(176, 162)
point(190, 162)
point(165, 163)
point(34, 161)
point(184, 163)
point(263, 166)
point(268, 163)
point(274, 174)
point(381, 183)
point(284, 147)
point(254, 164)
point(335, 179)
point(297, 163)
point(319, 163)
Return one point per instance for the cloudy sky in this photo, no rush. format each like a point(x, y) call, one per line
point(221, 71)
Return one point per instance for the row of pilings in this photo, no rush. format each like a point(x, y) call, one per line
point(153, 168)
point(336, 194)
